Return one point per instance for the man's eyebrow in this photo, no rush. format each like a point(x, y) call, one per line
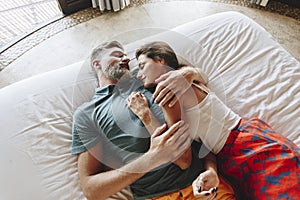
point(117, 52)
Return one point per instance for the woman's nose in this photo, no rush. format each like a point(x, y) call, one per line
point(139, 75)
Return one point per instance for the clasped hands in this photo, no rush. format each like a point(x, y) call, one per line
point(205, 186)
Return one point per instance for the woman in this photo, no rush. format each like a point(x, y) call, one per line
point(259, 162)
point(206, 188)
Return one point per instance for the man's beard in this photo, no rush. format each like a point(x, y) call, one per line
point(116, 72)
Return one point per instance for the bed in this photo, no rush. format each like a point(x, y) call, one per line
point(241, 62)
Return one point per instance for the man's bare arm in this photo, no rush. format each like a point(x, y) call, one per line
point(165, 147)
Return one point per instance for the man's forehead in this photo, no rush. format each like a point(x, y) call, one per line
point(114, 49)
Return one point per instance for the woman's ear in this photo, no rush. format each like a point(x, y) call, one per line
point(162, 61)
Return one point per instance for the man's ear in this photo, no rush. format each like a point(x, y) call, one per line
point(96, 64)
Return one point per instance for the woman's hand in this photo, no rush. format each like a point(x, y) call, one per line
point(138, 104)
point(206, 185)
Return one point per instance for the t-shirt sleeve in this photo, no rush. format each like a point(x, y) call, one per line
point(84, 132)
point(155, 109)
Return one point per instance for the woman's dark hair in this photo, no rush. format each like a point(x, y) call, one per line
point(159, 50)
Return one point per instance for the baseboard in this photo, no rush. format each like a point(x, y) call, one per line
point(293, 3)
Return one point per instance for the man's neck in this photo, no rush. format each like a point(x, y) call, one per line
point(104, 81)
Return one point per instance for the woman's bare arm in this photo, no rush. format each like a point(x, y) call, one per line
point(172, 115)
point(177, 82)
point(138, 104)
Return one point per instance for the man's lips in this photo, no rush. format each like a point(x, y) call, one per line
point(124, 65)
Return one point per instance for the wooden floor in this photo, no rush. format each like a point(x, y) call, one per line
point(20, 17)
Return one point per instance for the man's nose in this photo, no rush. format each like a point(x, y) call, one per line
point(126, 59)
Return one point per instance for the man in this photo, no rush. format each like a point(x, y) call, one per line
point(114, 148)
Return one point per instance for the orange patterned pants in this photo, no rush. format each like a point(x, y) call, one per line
point(225, 192)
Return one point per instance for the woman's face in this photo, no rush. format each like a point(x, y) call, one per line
point(149, 70)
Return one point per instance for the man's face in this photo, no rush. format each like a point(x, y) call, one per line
point(114, 63)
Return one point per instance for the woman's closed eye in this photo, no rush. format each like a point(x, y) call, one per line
point(141, 66)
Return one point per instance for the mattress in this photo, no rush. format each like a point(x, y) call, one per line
point(240, 61)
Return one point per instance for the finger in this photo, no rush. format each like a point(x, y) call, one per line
point(135, 95)
point(128, 102)
point(214, 192)
point(132, 93)
point(174, 132)
point(159, 93)
point(198, 186)
point(215, 195)
point(186, 144)
point(208, 194)
point(201, 182)
point(183, 127)
point(204, 195)
point(181, 139)
point(160, 130)
point(174, 100)
point(199, 192)
point(130, 96)
point(214, 189)
point(140, 94)
point(143, 96)
point(182, 142)
point(167, 98)
point(181, 146)
point(195, 187)
point(162, 78)
point(184, 130)
point(158, 90)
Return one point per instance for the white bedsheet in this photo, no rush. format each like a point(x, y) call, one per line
point(244, 65)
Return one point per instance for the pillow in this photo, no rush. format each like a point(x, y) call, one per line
point(36, 116)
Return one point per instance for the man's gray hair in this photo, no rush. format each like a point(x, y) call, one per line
point(97, 52)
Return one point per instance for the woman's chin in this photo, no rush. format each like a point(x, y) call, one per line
point(150, 86)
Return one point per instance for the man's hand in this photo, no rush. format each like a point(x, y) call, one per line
point(175, 83)
point(168, 145)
